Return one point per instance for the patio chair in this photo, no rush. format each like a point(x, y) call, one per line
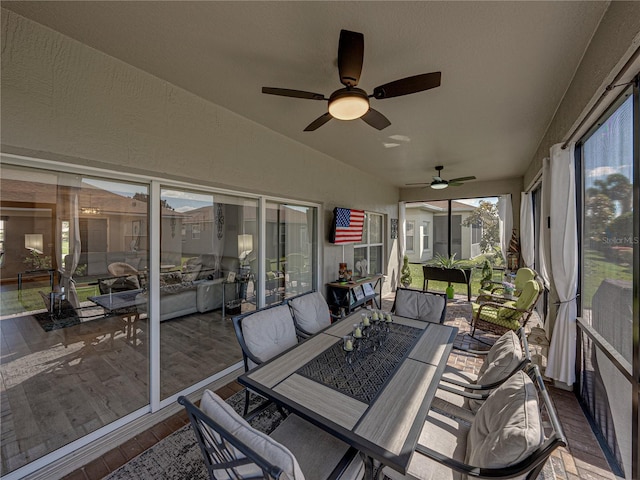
point(463, 393)
point(296, 449)
point(523, 275)
point(420, 305)
point(507, 438)
point(120, 269)
point(311, 313)
point(262, 335)
point(498, 318)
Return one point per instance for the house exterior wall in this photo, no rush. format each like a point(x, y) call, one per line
point(62, 100)
point(421, 252)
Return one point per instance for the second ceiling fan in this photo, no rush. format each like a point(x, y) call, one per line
point(439, 183)
point(350, 103)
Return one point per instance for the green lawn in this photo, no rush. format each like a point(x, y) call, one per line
point(417, 278)
point(29, 299)
point(596, 269)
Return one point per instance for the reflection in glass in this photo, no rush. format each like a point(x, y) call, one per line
point(607, 278)
point(74, 349)
point(205, 245)
point(291, 264)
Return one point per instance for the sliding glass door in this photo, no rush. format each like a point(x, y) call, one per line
point(75, 351)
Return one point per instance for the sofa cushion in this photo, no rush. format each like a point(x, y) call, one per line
point(191, 269)
point(170, 278)
point(508, 427)
point(271, 450)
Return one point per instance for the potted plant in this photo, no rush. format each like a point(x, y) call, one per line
point(447, 269)
point(487, 274)
point(405, 278)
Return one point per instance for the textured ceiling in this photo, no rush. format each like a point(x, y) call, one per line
point(505, 68)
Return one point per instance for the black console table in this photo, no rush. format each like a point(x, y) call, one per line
point(353, 294)
point(37, 273)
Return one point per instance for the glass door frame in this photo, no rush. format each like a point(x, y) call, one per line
point(155, 184)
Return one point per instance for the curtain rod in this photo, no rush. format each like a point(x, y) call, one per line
point(608, 88)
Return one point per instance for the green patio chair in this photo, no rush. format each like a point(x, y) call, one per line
point(498, 318)
point(523, 275)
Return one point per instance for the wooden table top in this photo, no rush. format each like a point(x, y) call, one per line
point(387, 428)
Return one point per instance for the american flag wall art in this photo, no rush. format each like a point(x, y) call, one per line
point(347, 225)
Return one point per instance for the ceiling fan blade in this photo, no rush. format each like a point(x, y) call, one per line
point(413, 184)
point(462, 179)
point(376, 119)
point(350, 55)
point(286, 92)
point(408, 85)
point(318, 122)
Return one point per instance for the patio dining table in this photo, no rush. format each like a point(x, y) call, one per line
point(375, 400)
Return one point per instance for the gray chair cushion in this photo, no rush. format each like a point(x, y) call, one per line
point(502, 358)
point(317, 451)
point(508, 427)
point(216, 408)
point(443, 434)
point(419, 305)
point(269, 332)
point(311, 312)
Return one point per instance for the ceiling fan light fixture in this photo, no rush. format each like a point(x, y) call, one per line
point(348, 104)
point(439, 185)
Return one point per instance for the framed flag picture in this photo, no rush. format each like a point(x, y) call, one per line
point(347, 226)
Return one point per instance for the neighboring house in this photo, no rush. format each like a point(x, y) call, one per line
point(427, 231)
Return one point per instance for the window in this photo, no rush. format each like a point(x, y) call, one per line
point(476, 233)
point(371, 248)
point(426, 226)
point(409, 243)
point(290, 265)
point(607, 243)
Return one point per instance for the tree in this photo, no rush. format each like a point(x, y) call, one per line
point(598, 212)
point(617, 188)
point(486, 217)
point(143, 197)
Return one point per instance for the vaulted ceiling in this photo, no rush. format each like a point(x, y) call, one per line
point(505, 68)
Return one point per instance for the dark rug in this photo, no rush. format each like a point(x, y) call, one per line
point(67, 317)
point(178, 456)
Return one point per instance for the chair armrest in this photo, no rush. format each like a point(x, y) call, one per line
point(464, 393)
point(471, 351)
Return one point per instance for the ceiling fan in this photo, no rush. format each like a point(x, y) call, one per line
point(439, 183)
point(349, 103)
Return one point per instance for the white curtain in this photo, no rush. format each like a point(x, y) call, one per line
point(564, 264)
point(527, 238)
point(543, 241)
point(68, 206)
point(505, 212)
